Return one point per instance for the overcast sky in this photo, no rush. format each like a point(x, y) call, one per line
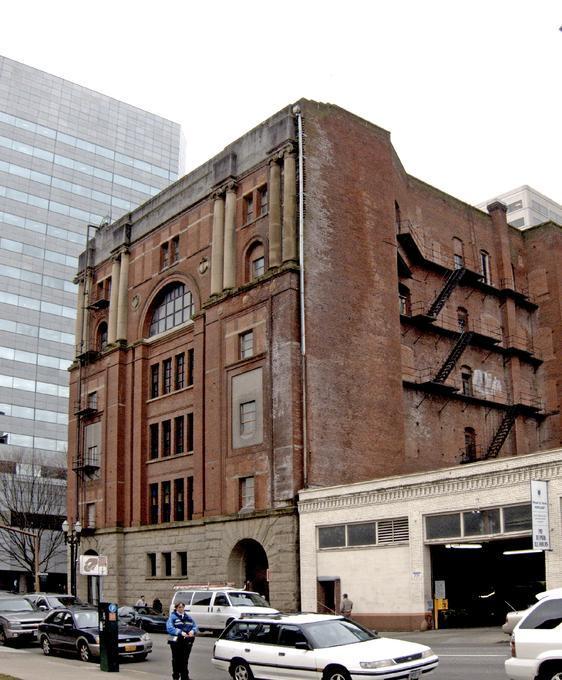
point(470, 89)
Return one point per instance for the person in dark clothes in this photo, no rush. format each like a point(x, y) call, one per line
point(157, 605)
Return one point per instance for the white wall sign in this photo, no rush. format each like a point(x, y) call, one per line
point(93, 565)
point(539, 510)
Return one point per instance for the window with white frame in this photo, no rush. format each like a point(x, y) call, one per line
point(247, 417)
point(246, 344)
point(247, 498)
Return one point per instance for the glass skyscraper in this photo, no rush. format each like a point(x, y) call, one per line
point(69, 157)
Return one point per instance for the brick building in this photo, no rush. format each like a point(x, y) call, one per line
point(296, 313)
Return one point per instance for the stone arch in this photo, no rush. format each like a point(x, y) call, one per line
point(248, 565)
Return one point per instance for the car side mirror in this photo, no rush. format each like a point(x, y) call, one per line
point(302, 645)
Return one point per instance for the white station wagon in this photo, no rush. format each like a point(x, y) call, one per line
point(316, 646)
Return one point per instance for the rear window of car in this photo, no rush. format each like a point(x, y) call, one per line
point(241, 630)
point(547, 614)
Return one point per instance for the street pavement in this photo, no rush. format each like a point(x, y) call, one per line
point(477, 653)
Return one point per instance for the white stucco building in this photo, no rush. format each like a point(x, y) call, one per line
point(386, 543)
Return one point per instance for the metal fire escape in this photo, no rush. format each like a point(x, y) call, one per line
point(502, 432)
point(454, 355)
point(451, 282)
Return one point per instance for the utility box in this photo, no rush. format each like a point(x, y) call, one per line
point(109, 637)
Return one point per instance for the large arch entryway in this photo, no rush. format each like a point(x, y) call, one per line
point(248, 565)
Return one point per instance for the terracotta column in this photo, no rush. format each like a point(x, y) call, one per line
point(79, 327)
point(113, 301)
point(229, 276)
point(123, 299)
point(274, 214)
point(289, 206)
point(217, 250)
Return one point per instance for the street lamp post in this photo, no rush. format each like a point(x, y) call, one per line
point(72, 538)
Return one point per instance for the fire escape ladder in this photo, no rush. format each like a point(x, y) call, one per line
point(502, 432)
point(454, 355)
point(452, 280)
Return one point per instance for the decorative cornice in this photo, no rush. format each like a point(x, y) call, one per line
point(483, 481)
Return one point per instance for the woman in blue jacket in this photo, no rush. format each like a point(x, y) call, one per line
point(181, 628)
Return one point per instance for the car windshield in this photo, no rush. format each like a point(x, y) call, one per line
point(18, 604)
point(337, 632)
point(63, 601)
point(86, 619)
point(247, 600)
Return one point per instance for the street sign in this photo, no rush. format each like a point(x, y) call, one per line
point(440, 590)
point(539, 512)
point(93, 565)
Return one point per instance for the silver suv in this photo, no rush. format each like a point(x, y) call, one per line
point(18, 620)
point(536, 651)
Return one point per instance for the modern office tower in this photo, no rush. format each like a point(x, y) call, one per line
point(526, 207)
point(69, 157)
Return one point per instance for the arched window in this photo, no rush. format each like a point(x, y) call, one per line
point(458, 253)
point(470, 444)
point(466, 378)
point(255, 262)
point(101, 340)
point(173, 307)
point(462, 319)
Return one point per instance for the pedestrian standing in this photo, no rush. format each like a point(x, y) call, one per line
point(346, 606)
point(141, 602)
point(157, 605)
point(181, 629)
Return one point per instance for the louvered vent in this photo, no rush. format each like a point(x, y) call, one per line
point(393, 530)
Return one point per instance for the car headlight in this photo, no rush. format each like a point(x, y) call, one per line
point(427, 653)
point(145, 637)
point(377, 664)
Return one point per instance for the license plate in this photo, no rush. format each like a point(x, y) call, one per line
point(133, 648)
point(415, 674)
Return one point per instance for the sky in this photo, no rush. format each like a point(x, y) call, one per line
point(469, 89)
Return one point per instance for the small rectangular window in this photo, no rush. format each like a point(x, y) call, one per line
point(179, 434)
point(247, 493)
point(179, 379)
point(443, 526)
point(166, 437)
point(154, 380)
point(246, 341)
point(331, 537)
point(164, 255)
point(167, 376)
point(182, 563)
point(189, 498)
point(91, 515)
point(166, 502)
point(154, 503)
point(258, 267)
point(179, 501)
point(93, 401)
point(362, 534)
point(190, 364)
point(262, 200)
point(154, 436)
point(175, 249)
point(479, 522)
point(151, 564)
point(517, 518)
point(167, 564)
point(248, 208)
point(189, 432)
point(247, 418)
point(485, 266)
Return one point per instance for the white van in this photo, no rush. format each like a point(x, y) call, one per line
point(215, 608)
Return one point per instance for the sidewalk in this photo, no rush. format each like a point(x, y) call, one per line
point(22, 665)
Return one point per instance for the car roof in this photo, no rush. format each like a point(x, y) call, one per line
point(294, 618)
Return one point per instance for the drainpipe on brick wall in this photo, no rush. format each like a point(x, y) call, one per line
point(298, 114)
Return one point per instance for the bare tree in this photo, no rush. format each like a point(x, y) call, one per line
point(32, 497)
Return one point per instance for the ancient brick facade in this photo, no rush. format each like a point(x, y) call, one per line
point(397, 275)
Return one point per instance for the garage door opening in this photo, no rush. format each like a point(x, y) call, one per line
point(483, 583)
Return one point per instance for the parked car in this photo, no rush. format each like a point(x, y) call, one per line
point(143, 617)
point(76, 629)
point(18, 620)
point(215, 608)
point(536, 651)
point(513, 618)
point(316, 646)
point(48, 601)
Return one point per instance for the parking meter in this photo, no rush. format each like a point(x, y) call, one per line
point(109, 638)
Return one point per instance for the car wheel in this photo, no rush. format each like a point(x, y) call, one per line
point(239, 670)
point(336, 673)
point(551, 675)
point(46, 645)
point(84, 652)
